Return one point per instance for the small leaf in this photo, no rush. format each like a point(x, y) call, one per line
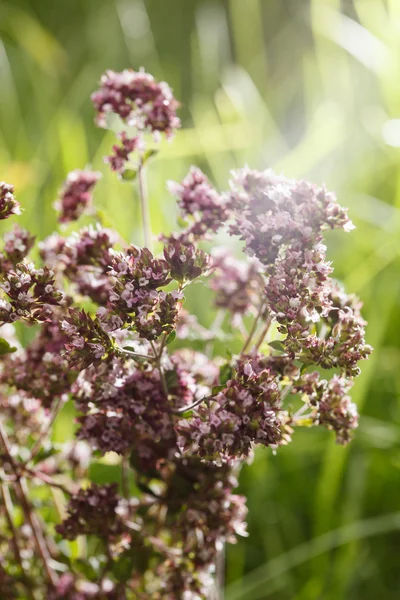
point(182, 222)
point(217, 388)
point(123, 567)
point(148, 154)
point(225, 373)
point(129, 174)
point(5, 347)
point(170, 338)
point(277, 345)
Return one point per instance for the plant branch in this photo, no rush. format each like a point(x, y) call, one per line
point(43, 434)
point(8, 508)
point(183, 409)
point(22, 492)
point(253, 329)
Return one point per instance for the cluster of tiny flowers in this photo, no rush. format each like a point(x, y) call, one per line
point(237, 284)
point(41, 369)
point(204, 209)
point(331, 405)
point(121, 152)
point(17, 244)
point(247, 410)
point(151, 384)
point(84, 259)
point(8, 204)
point(282, 224)
point(31, 294)
point(136, 299)
point(94, 512)
point(76, 195)
point(138, 100)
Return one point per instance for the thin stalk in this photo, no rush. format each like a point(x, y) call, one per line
point(22, 492)
point(264, 332)
point(135, 354)
point(125, 476)
point(144, 205)
point(253, 329)
point(8, 507)
point(183, 409)
point(43, 434)
point(46, 479)
point(220, 573)
point(218, 321)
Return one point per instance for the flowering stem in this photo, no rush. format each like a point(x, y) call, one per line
point(144, 205)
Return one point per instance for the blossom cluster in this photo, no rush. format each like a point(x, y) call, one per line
point(76, 195)
point(138, 99)
point(8, 204)
point(149, 386)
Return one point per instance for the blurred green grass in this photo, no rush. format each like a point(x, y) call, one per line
point(311, 88)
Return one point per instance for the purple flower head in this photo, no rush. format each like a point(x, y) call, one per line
point(88, 342)
point(17, 244)
point(76, 195)
point(31, 294)
point(120, 153)
point(8, 204)
point(274, 213)
point(205, 209)
point(238, 284)
point(41, 370)
point(138, 99)
point(93, 511)
point(246, 411)
point(331, 405)
point(185, 261)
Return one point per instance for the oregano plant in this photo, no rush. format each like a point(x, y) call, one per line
point(176, 412)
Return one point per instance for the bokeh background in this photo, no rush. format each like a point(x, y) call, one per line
point(312, 89)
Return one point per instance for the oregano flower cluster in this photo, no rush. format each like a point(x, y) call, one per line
point(155, 398)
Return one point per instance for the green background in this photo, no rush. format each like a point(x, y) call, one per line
point(311, 88)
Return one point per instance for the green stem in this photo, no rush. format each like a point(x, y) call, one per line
point(144, 205)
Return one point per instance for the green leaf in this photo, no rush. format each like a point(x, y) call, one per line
point(277, 345)
point(225, 373)
point(5, 347)
point(123, 567)
point(182, 222)
point(129, 174)
point(170, 338)
point(217, 388)
point(149, 154)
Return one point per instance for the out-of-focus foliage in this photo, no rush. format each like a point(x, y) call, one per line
point(311, 88)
